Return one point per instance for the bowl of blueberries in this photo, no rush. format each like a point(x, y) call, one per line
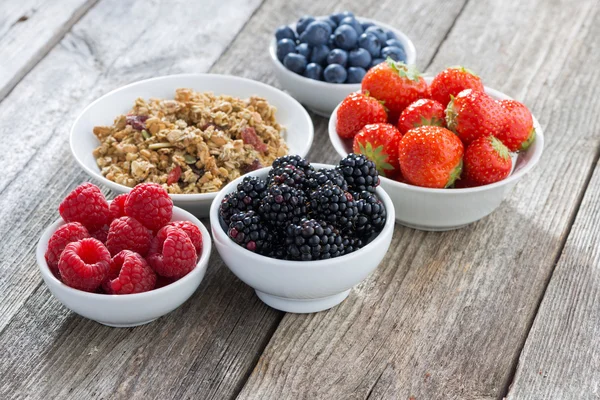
point(321, 60)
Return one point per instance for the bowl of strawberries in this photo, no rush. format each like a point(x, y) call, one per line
point(448, 149)
point(124, 262)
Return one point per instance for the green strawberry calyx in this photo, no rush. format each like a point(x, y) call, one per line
point(376, 155)
point(455, 174)
point(409, 72)
point(530, 139)
point(451, 115)
point(499, 147)
point(433, 122)
point(463, 69)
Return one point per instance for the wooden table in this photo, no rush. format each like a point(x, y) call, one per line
point(507, 307)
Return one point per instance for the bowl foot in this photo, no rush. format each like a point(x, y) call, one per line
point(126, 325)
point(431, 228)
point(302, 305)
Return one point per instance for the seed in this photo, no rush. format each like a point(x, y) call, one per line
point(155, 146)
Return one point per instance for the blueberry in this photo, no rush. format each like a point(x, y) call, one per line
point(395, 53)
point(393, 43)
point(317, 33)
point(353, 23)
point(314, 71)
point(337, 17)
point(376, 61)
point(345, 37)
point(331, 23)
point(303, 49)
point(319, 54)
point(377, 31)
point(390, 35)
point(284, 47)
point(331, 42)
point(285, 32)
point(295, 62)
point(365, 25)
point(335, 73)
point(359, 58)
point(370, 42)
point(303, 23)
point(355, 74)
point(337, 56)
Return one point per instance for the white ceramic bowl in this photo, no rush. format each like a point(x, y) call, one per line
point(445, 209)
point(301, 286)
point(128, 309)
point(291, 115)
point(323, 97)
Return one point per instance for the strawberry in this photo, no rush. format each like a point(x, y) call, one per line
point(379, 142)
point(396, 85)
point(486, 161)
point(517, 132)
point(452, 81)
point(421, 112)
point(430, 156)
point(356, 111)
point(473, 114)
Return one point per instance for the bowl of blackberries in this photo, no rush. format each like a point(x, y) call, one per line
point(321, 60)
point(302, 235)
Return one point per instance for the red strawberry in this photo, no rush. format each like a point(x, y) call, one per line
point(356, 111)
point(379, 142)
point(474, 114)
point(396, 85)
point(422, 112)
point(452, 81)
point(517, 132)
point(486, 161)
point(430, 156)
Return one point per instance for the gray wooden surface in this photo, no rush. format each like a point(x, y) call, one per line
point(446, 316)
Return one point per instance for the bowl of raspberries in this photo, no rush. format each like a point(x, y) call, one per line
point(123, 262)
point(448, 149)
point(320, 60)
point(302, 235)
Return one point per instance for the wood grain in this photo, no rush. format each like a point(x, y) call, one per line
point(446, 314)
point(28, 30)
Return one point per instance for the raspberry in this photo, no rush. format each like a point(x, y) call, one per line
point(71, 232)
point(101, 234)
point(117, 206)
point(129, 273)
point(85, 204)
point(150, 204)
point(127, 233)
point(192, 231)
point(84, 264)
point(174, 256)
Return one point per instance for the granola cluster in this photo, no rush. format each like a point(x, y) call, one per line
point(196, 143)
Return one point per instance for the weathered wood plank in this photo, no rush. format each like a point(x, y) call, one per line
point(28, 30)
point(446, 314)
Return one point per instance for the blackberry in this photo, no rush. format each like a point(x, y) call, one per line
point(295, 160)
point(334, 205)
point(231, 204)
point(312, 240)
point(253, 187)
point(351, 244)
point(359, 172)
point(247, 230)
point(324, 176)
point(247, 197)
point(371, 214)
point(289, 175)
point(283, 204)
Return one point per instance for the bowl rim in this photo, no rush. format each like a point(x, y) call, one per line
point(409, 47)
point(115, 298)
point(179, 197)
point(252, 257)
point(512, 178)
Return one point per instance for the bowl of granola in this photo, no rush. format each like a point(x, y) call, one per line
point(191, 133)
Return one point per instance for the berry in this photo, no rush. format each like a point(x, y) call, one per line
point(473, 114)
point(288, 175)
point(351, 244)
point(379, 142)
point(231, 204)
point(65, 234)
point(338, 17)
point(330, 22)
point(85, 204)
point(84, 264)
point(430, 156)
point(335, 73)
point(316, 33)
point(486, 161)
point(303, 23)
point(356, 111)
point(314, 71)
point(117, 206)
point(334, 205)
point(247, 230)
point(150, 204)
point(390, 35)
point(295, 160)
point(378, 33)
point(338, 56)
point(285, 47)
point(101, 234)
point(365, 25)
point(129, 273)
point(356, 74)
point(371, 214)
point(295, 62)
point(359, 58)
point(359, 172)
point(283, 204)
point(192, 231)
point(312, 240)
point(303, 49)
point(173, 254)
point(326, 176)
point(393, 52)
point(345, 37)
point(371, 43)
point(451, 81)
point(376, 61)
point(421, 112)
point(252, 189)
point(127, 233)
point(319, 54)
point(285, 32)
point(517, 132)
point(393, 43)
point(396, 84)
point(351, 21)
